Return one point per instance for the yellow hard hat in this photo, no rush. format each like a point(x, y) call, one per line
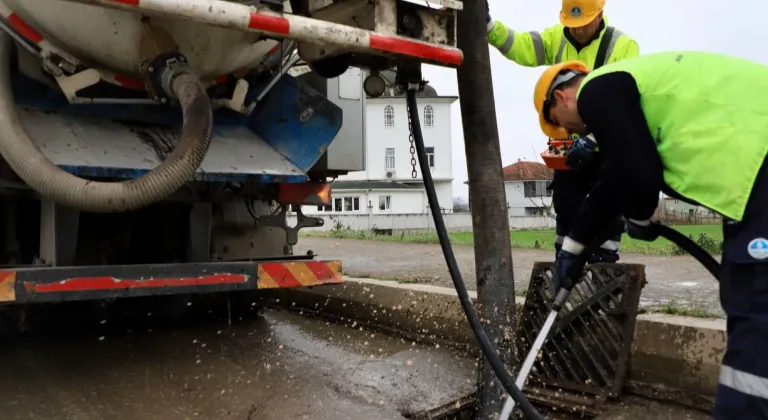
point(542, 93)
point(576, 13)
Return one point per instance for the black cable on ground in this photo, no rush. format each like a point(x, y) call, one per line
point(445, 243)
point(684, 242)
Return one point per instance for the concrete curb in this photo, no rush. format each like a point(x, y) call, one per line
point(670, 354)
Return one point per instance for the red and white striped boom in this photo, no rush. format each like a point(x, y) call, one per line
point(304, 29)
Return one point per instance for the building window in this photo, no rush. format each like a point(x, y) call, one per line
point(351, 203)
point(389, 158)
point(534, 211)
point(346, 204)
point(389, 116)
point(326, 207)
point(430, 156)
point(385, 202)
point(429, 116)
point(536, 189)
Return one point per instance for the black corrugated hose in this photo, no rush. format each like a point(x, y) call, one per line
point(445, 243)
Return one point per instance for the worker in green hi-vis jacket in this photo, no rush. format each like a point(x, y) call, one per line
point(584, 35)
point(695, 126)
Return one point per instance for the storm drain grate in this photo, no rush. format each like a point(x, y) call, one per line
point(585, 358)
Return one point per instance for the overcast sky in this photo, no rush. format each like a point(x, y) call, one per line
point(704, 25)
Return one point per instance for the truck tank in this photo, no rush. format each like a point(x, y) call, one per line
point(111, 39)
point(156, 146)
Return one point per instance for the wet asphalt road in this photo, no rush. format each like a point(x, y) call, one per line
point(77, 362)
point(274, 366)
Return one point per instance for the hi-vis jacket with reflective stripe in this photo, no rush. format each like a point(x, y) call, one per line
point(551, 46)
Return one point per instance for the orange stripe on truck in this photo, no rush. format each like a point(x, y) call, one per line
point(7, 286)
point(299, 274)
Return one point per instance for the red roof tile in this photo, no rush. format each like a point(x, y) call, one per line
point(527, 171)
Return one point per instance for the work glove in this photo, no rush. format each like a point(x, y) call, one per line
point(568, 270)
point(644, 230)
point(582, 152)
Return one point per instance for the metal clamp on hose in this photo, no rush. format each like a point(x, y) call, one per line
point(158, 75)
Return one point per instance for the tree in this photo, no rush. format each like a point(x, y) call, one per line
point(460, 205)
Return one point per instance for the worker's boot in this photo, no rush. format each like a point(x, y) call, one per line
point(608, 251)
point(603, 256)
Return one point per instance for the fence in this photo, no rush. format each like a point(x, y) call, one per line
point(687, 217)
point(455, 222)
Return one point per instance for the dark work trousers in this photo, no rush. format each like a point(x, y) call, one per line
point(569, 189)
point(743, 390)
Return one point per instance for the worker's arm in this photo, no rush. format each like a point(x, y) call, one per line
point(529, 49)
point(625, 47)
point(631, 175)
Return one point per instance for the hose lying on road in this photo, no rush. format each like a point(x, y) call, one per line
point(474, 322)
point(29, 163)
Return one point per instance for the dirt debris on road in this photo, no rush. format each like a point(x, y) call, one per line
point(673, 280)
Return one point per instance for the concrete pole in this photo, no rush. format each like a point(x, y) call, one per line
point(490, 224)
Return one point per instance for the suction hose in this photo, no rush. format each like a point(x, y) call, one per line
point(474, 322)
point(29, 163)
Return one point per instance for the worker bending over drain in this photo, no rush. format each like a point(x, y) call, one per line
point(695, 126)
point(583, 35)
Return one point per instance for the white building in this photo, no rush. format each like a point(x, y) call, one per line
point(386, 184)
point(525, 185)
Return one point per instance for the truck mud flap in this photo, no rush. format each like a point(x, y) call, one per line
point(59, 284)
point(585, 358)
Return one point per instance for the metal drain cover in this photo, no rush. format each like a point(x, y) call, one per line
point(585, 358)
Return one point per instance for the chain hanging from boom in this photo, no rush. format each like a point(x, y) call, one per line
point(414, 174)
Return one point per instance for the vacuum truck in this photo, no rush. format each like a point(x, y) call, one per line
point(154, 147)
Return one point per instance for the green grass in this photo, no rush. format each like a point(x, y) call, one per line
point(543, 239)
point(674, 307)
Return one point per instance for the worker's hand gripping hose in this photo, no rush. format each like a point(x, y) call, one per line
point(21, 153)
point(474, 322)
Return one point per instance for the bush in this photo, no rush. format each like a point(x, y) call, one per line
point(710, 244)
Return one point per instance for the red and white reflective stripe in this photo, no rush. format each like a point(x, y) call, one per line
point(120, 80)
point(233, 15)
point(28, 32)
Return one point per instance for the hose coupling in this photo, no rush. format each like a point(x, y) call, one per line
point(160, 72)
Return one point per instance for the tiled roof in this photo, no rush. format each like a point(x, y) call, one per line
point(527, 171)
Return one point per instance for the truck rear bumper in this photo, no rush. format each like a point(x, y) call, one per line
point(32, 285)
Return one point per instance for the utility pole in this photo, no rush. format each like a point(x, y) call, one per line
point(490, 225)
